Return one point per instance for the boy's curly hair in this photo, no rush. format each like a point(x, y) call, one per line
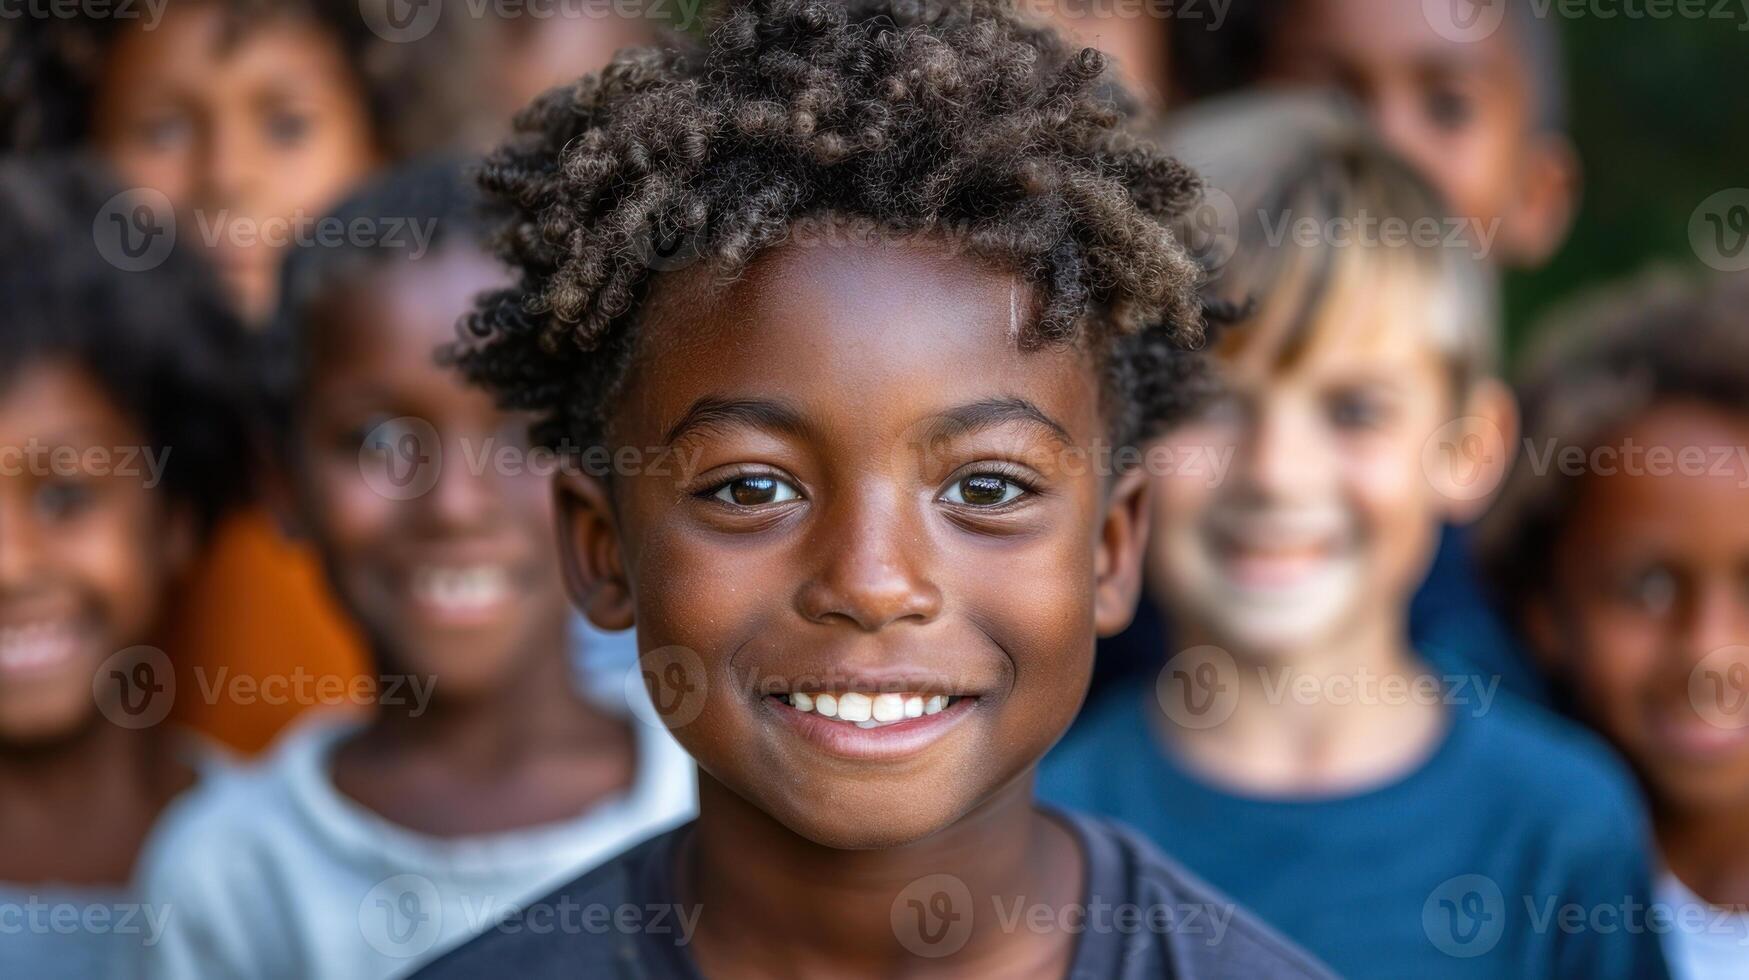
point(162, 343)
point(920, 116)
point(1596, 368)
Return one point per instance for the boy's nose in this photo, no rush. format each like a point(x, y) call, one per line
point(1713, 619)
point(1282, 457)
point(461, 498)
point(868, 574)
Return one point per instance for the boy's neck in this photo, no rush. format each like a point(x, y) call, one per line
point(77, 811)
point(1708, 850)
point(1342, 714)
point(754, 878)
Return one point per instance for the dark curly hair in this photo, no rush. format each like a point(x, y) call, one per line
point(918, 116)
point(162, 343)
point(1598, 366)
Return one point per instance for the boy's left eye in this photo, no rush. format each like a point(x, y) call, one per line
point(755, 491)
point(983, 490)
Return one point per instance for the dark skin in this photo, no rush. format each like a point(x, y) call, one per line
point(819, 545)
point(1650, 587)
point(90, 555)
point(505, 742)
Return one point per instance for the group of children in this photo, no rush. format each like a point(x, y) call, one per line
point(860, 306)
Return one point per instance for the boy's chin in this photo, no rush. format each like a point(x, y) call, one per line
point(850, 822)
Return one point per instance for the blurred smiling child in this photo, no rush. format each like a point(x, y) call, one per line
point(1296, 751)
point(1621, 543)
point(485, 775)
point(120, 443)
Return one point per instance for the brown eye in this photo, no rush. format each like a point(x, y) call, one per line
point(755, 491)
point(984, 490)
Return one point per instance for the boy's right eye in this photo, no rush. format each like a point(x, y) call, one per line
point(755, 490)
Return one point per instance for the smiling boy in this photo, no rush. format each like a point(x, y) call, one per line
point(872, 608)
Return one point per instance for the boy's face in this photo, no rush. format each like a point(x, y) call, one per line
point(1648, 611)
point(1461, 111)
point(88, 547)
point(248, 135)
point(873, 500)
point(1326, 516)
point(435, 526)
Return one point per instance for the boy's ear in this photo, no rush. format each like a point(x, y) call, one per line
point(1543, 206)
point(1474, 453)
point(589, 551)
point(1117, 562)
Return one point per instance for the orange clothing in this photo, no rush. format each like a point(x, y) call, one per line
point(255, 634)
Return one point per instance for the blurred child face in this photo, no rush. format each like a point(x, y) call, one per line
point(1138, 46)
point(1325, 520)
point(441, 551)
point(87, 552)
point(1461, 111)
point(1649, 608)
point(871, 513)
point(247, 128)
point(535, 54)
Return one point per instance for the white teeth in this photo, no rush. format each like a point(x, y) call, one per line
point(855, 707)
point(869, 710)
point(889, 707)
point(34, 646)
point(469, 587)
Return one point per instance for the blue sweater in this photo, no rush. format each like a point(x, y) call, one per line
point(1517, 849)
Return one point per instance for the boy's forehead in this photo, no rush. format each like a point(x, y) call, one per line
point(55, 398)
point(881, 331)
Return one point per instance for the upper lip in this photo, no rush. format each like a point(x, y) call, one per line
point(890, 680)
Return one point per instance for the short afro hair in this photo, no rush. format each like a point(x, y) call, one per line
point(1599, 366)
point(920, 116)
point(162, 342)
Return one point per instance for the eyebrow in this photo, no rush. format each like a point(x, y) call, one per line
point(755, 413)
point(991, 412)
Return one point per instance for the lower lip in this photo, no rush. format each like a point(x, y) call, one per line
point(886, 743)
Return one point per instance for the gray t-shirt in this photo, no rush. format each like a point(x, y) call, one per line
point(1142, 916)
